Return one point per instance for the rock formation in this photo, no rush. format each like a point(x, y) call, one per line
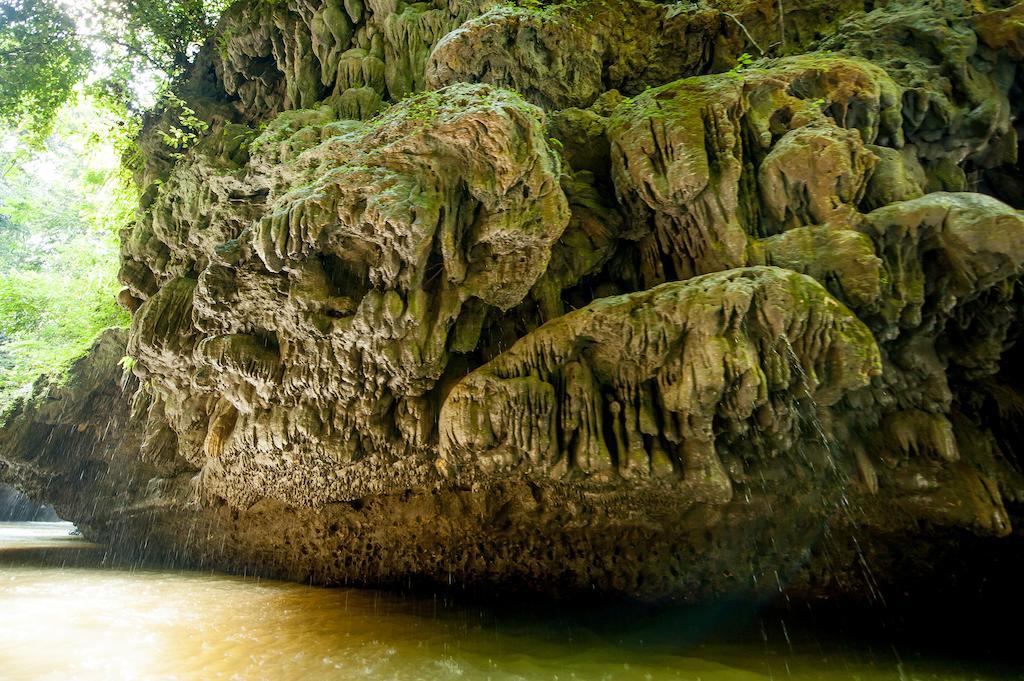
point(564, 297)
point(16, 507)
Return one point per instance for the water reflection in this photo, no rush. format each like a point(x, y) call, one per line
point(91, 623)
point(44, 535)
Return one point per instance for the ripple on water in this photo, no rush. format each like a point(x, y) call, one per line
point(90, 623)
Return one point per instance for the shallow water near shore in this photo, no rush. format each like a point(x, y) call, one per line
point(63, 615)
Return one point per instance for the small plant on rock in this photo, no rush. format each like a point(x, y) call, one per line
point(742, 62)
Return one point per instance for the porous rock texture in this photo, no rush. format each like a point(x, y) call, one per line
point(566, 297)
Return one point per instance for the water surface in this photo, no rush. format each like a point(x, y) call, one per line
point(63, 615)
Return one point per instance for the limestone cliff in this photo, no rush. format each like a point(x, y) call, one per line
point(565, 296)
point(16, 507)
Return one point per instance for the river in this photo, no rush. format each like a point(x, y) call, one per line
point(64, 615)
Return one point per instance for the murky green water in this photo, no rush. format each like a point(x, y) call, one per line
point(61, 622)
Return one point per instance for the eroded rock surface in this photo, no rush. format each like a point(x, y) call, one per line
point(643, 384)
point(565, 297)
point(310, 343)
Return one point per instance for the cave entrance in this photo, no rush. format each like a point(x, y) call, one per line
point(16, 506)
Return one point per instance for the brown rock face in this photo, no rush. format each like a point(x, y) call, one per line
point(563, 297)
point(643, 384)
point(310, 344)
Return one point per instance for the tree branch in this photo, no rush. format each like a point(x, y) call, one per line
point(136, 51)
point(745, 32)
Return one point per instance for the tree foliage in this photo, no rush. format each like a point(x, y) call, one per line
point(147, 40)
point(61, 207)
point(41, 60)
point(123, 49)
point(63, 189)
